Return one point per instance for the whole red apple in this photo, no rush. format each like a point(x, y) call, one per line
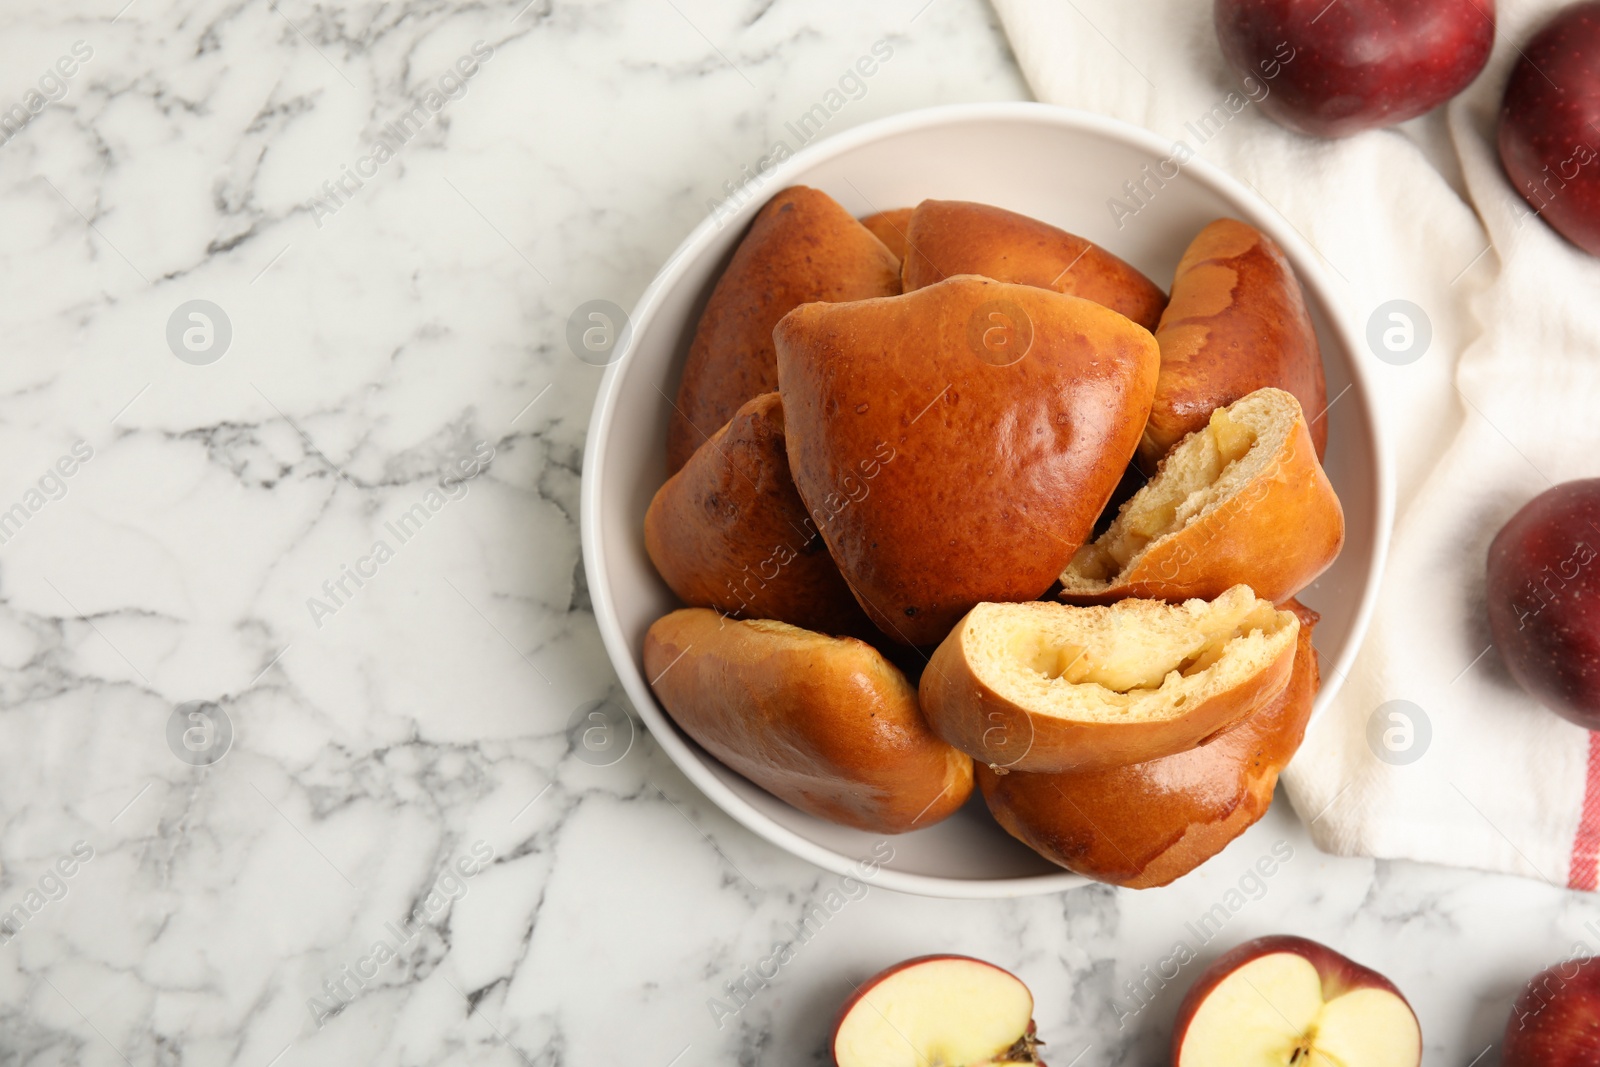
point(1555, 1022)
point(1549, 144)
point(1544, 599)
point(1331, 69)
point(1286, 1001)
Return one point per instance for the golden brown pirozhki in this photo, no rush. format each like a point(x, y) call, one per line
point(1046, 687)
point(801, 247)
point(955, 444)
point(951, 237)
point(890, 228)
point(1241, 501)
point(1237, 322)
point(1146, 824)
point(730, 532)
point(824, 723)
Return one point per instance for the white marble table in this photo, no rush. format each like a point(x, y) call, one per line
point(398, 859)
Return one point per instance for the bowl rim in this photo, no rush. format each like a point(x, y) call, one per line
point(1312, 277)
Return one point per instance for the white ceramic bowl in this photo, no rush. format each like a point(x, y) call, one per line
point(1057, 165)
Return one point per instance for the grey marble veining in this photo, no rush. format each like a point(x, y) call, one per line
point(400, 859)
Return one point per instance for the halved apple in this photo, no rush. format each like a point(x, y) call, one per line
point(1280, 1001)
point(954, 1011)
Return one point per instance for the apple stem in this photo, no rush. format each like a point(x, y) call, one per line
point(1024, 1051)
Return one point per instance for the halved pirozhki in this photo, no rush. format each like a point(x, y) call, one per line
point(1050, 687)
point(1241, 501)
point(1147, 824)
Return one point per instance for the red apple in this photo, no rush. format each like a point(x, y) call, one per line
point(1556, 1020)
point(1549, 143)
point(1285, 1000)
point(1544, 599)
point(1330, 69)
point(954, 1011)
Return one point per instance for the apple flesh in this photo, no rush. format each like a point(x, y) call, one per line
point(953, 1011)
point(1334, 69)
point(1281, 1001)
point(1548, 120)
point(1555, 1022)
point(1544, 599)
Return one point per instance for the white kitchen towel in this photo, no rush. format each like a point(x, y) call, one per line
point(1502, 404)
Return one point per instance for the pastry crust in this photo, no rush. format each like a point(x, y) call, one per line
point(890, 227)
point(1241, 501)
point(729, 532)
point(801, 247)
point(1044, 687)
point(824, 723)
point(955, 445)
point(1147, 824)
point(1237, 322)
point(951, 237)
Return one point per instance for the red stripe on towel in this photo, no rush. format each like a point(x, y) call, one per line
point(1584, 872)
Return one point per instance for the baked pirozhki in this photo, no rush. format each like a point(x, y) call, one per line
point(824, 723)
point(1146, 824)
point(890, 227)
point(954, 445)
point(730, 532)
point(1047, 687)
point(1236, 322)
point(1240, 501)
point(801, 247)
point(951, 237)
